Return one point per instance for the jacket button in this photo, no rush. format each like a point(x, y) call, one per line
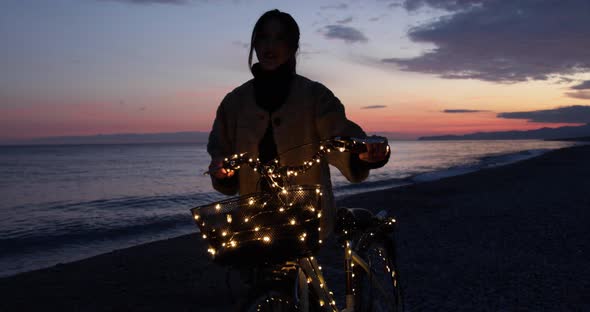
point(277, 121)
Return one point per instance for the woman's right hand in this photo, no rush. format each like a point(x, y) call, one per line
point(216, 170)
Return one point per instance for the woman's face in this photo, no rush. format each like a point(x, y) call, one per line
point(271, 45)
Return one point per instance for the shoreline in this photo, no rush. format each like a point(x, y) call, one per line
point(346, 191)
point(502, 238)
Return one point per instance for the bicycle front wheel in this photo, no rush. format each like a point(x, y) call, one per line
point(376, 284)
point(269, 300)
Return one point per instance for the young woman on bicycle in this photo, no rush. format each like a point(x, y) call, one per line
point(279, 110)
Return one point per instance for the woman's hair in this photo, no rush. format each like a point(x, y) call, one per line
point(290, 28)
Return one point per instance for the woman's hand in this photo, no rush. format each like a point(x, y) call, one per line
point(216, 170)
point(376, 152)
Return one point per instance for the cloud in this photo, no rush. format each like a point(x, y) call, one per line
point(395, 5)
point(345, 21)
point(373, 106)
point(346, 33)
point(448, 5)
point(502, 41)
point(584, 95)
point(567, 114)
point(153, 1)
point(583, 86)
point(340, 6)
point(455, 111)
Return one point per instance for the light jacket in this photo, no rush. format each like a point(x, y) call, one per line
point(309, 114)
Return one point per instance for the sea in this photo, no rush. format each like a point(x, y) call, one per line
point(62, 203)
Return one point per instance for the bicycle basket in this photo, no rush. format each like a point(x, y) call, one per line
point(262, 228)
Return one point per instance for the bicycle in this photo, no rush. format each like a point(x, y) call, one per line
point(278, 233)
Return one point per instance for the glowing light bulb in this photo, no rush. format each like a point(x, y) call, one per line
point(266, 239)
point(292, 222)
point(281, 209)
point(217, 207)
point(257, 229)
point(197, 217)
point(251, 202)
point(246, 220)
point(229, 218)
point(211, 251)
point(233, 243)
point(204, 236)
point(224, 233)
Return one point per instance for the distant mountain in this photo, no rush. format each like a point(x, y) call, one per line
point(123, 138)
point(540, 134)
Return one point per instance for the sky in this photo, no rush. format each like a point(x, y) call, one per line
point(409, 67)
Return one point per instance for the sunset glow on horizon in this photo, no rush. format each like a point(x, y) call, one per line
point(408, 67)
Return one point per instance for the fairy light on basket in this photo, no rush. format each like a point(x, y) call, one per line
point(278, 177)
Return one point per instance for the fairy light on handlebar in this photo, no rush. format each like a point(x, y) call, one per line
point(274, 173)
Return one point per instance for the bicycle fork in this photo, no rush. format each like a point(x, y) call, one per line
point(310, 275)
point(348, 269)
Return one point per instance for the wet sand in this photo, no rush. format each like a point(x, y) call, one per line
point(503, 239)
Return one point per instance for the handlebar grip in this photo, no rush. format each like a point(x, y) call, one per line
point(234, 162)
point(359, 145)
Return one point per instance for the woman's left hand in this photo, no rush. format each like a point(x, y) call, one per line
point(376, 152)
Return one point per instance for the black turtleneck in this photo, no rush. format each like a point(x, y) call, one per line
point(270, 90)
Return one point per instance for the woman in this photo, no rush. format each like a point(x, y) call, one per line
point(278, 110)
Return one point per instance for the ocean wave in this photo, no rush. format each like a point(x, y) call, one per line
point(65, 223)
point(484, 162)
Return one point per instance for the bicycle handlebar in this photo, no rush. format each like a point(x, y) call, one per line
point(272, 170)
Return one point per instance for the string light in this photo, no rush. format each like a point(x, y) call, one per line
point(279, 178)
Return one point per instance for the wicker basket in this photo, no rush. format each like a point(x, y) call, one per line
point(262, 228)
